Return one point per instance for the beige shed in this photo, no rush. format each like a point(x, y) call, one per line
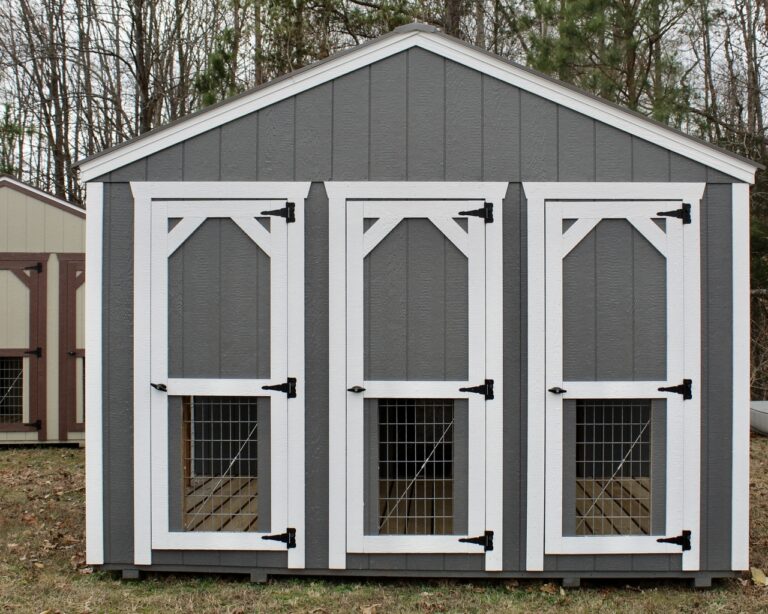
point(42, 291)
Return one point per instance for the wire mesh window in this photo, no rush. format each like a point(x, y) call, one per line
point(220, 459)
point(416, 466)
point(613, 467)
point(11, 390)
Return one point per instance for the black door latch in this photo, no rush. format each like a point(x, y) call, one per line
point(356, 389)
point(288, 212)
point(288, 538)
point(557, 390)
point(485, 540)
point(686, 389)
point(38, 351)
point(37, 424)
point(288, 387)
point(684, 213)
point(160, 387)
point(35, 267)
point(486, 389)
point(486, 212)
point(684, 540)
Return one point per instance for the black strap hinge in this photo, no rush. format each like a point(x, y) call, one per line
point(683, 540)
point(485, 389)
point(684, 213)
point(288, 538)
point(288, 212)
point(686, 389)
point(35, 267)
point(38, 351)
point(485, 540)
point(37, 424)
point(288, 387)
point(160, 387)
point(486, 212)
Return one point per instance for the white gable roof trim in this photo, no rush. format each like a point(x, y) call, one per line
point(440, 44)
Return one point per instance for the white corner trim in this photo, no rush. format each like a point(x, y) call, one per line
point(94, 451)
point(537, 194)
point(741, 378)
point(445, 47)
point(339, 193)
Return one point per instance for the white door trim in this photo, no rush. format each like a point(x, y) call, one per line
point(537, 194)
point(338, 195)
point(149, 196)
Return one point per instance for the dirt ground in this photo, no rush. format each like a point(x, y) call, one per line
point(42, 566)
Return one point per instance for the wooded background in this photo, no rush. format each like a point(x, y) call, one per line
point(78, 76)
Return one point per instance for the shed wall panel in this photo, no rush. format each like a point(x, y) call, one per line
point(367, 133)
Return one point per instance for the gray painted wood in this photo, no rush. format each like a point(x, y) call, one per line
point(277, 142)
point(649, 162)
point(201, 156)
point(314, 132)
point(463, 123)
point(614, 307)
point(501, 131)
point(425, 115)
point(576, 146)
point(218, 323)
point(372, 134)
point(351, 105)
point(240, 149)
point(388, 132)
point(415, 297)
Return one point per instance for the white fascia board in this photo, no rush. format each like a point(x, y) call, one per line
point(453, 50)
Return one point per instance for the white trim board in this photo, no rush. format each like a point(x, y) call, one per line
point(446, 47)
point(146, 459)
point(537, 194)
point(741, 379)
point(94, 451)
point(339, 194)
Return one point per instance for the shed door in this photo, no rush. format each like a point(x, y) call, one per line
point(416, 374)
point(220, 442)
point(71, 345)
point(22, 346)
point(616, 471)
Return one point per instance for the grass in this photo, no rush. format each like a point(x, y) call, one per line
point(42, 566)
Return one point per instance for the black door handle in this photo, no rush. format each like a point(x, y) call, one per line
point(557, 390)
point(356, 389)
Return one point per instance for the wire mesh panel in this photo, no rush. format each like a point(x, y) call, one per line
point(416, 466)
point(613, 467)
point(220, 459)
point(11, 390)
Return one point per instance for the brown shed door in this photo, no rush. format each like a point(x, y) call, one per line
point(71, 344)
point(22, 341)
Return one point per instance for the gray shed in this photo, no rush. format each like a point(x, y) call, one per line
point(415, 310)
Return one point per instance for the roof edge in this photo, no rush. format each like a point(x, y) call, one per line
point(11, 182)
point(431, 39)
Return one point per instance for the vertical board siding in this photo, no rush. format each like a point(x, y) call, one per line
point(277, 142)
point(388, 126)
point(425, 116)
point(351, 106)
point(240, 149)
point(463, 123)
point(314, 132)
point(501, 131)
point(400, 119)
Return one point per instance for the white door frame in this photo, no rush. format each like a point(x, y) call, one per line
point(544, 522)
point(155, 202)
point(345, 419)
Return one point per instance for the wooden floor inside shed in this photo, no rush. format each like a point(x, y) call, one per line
point(221, 504)
point(618, 506)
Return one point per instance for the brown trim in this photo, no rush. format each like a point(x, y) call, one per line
point(38, 288)
point(6, 181)
point(69, 282)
